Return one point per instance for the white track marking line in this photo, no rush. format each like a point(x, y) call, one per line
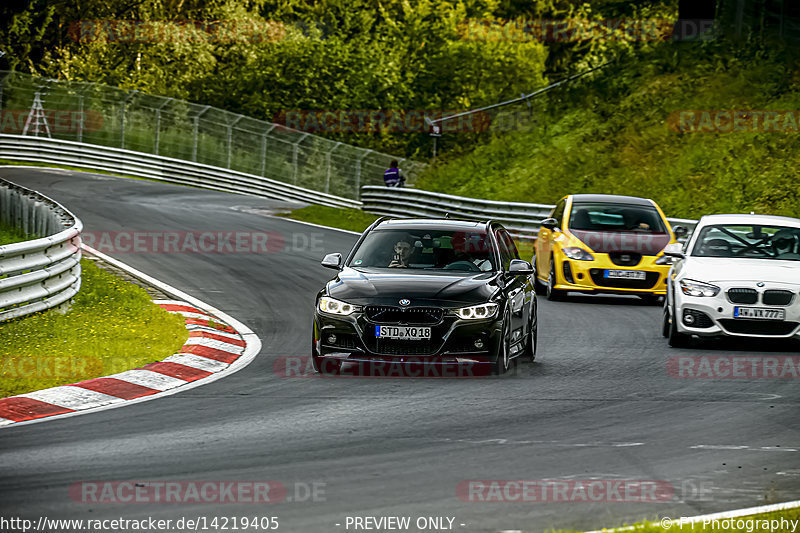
point(206, 329)
point(197, 361)
point(741, 447)
point(318, 225)
point(149, 379)
point(213, 343)
point(71, 397)
point(188, 314)
point(171, 302)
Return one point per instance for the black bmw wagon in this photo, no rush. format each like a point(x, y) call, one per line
point(432, 291)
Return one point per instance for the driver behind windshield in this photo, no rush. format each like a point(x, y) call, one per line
point(784, 244)
point(402, 252)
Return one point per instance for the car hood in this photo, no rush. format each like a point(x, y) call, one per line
point(379, 286)
point(605, 242)
point(722, 269)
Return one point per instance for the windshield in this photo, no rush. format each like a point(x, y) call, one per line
point(753, 241)
point(428, 249)
point(615, 217)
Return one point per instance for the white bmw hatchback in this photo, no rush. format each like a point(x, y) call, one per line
point(737, 275)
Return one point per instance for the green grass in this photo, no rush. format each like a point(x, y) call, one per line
point(610, 135)
point(347, 218)
point(699, 527)
point(111, 326)
point(9, 235)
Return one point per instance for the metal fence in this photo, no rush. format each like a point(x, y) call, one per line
point(107, 116)
point(521, 219)
point(41, 273)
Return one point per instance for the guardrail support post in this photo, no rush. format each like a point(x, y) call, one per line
point(158, 125)
point(122, 118)
point(294, 157)
point(358, 173)
point(230, 137)
point(79, 133)
point(264, 150)
point(328, 167)
point(196, 120)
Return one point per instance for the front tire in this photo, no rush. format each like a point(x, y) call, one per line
point(553, 294)
point(677, 339)
point(533, 334)
point(503, 361)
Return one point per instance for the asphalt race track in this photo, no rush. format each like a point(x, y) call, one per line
point(598, 404)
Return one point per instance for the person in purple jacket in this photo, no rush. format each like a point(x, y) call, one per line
point(393, 176)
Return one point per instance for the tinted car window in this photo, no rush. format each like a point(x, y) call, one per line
point(468, 251)
point(558, 211)
point(506, 255)
point(760, 242)
point(615, 217)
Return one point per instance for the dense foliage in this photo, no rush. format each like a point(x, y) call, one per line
point(265, 57)
point(617, 134)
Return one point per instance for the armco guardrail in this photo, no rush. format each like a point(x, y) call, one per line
point(98, 114)
point(44, 272)
point(521, 219)
point(143, 165)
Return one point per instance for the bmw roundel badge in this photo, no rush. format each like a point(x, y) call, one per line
point(405, 301)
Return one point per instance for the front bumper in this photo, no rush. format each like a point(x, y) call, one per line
point(589, 276)
point(453, 341)
point(714, 316)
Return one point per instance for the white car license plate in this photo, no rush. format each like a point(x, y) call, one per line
point(759, 313)
point(626, 274)
point(411, 333)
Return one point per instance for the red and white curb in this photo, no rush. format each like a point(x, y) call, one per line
point(218, 345)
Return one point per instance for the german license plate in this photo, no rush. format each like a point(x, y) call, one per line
point(759, 313)
point(410, 333)
point(626, 274)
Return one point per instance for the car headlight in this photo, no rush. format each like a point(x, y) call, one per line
point(664, 260)
point(336, 307)
point(579, 254)
point(477, 312)
point(691, 287)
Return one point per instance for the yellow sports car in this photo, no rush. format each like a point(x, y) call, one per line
point(599, 243)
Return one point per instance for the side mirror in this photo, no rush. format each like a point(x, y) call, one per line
point(550, 223)
point(674, 250)
point(680, 231)
point(332, 261)
point(519, 267)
